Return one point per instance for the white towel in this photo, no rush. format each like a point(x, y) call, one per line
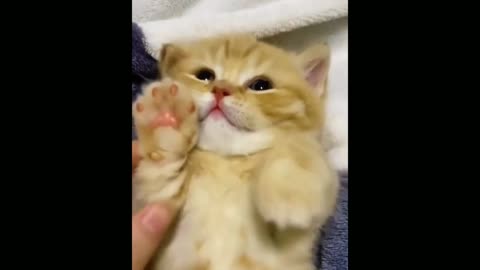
point(205, 18)
point(165, 21)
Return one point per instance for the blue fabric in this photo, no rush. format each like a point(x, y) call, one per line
point(332, 251)
point(332, 254)
point(144, 66)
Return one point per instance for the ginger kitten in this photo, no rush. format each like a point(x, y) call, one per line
point(229, 138)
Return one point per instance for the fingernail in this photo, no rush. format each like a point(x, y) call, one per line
point(156, 219)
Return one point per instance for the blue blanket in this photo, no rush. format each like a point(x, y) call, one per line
point(332, 251)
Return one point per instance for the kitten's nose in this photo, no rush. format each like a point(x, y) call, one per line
point(220, 92)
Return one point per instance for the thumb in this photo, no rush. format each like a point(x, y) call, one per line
point(148, 229)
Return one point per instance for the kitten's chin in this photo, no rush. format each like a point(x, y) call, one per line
point(218, 135)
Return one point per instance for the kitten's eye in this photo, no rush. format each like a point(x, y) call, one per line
point(260, 84)
point(205, 74)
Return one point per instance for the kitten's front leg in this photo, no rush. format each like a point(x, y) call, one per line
point(293, 196)
point(166, 122)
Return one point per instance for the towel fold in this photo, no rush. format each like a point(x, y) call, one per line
point(207, 18)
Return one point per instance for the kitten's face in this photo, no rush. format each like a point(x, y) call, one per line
point(245, 90)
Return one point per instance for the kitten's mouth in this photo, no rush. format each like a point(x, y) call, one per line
point(217, 113)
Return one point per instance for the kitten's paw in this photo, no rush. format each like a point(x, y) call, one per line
point(291, 198)
point(285, 209)
point(165, 117)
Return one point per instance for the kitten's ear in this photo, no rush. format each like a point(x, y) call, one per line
point(315, 62)
point(170, 54)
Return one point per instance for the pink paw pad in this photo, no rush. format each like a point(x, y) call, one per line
point(139, 107)
point(155, 92)
point(174, 90)
point(166, 119)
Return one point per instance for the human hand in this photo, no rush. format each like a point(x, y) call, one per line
point(148, 226)
point(148, 229)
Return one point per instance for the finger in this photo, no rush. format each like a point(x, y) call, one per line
point(148, 228)
point(135, 154)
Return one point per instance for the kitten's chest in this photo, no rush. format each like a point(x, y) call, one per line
point(218, 216)
point(216, 180)
point(220, 195)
